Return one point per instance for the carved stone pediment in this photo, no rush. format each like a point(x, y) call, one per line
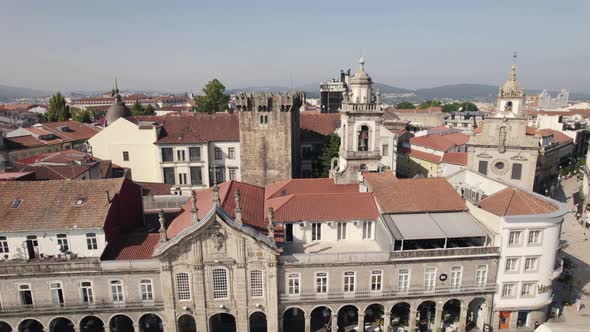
point(218, 237)
point(484, 155)
point(519, 157)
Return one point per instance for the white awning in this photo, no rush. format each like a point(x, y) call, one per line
point(418, 226)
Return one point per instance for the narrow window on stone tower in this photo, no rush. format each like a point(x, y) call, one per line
point(363, 139)
point(508, 107)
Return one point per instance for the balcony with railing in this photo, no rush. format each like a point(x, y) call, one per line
point(48, 265)
point(388, 294)
point(98, 305)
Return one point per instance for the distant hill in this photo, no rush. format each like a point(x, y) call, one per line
point(459, 91)
point(384, 88)
point(8, 93)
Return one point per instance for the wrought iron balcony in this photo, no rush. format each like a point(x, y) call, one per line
point(388, 294)
point(100, 305)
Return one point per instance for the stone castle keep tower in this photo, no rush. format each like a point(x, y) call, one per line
point(269, 136)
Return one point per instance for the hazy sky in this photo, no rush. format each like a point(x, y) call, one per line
point(179, 45)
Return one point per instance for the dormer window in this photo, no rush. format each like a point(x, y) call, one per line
point(16, 203)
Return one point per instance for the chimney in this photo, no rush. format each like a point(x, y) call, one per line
point(162, 230)
point(271, 226)
point(238, 209)
point(215, 195)
point(194, 210)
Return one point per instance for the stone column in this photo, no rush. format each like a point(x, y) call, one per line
point(387, 321)
point(280, 327)
point(463, 317)
point(307, 323)
point(361, 322)
point(437, 316)
point(412, 322)
point(334, 322)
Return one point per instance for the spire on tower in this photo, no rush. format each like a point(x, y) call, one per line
point(362, 63)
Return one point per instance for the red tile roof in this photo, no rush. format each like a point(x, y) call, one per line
point(415, 195)
point(433, 109)
point(321, 123)
point(55, 172)
point(558, 136)
point(306, 186)
point(133, 247)
point(77, 132)
point(59, 157)
point(511, 201)
point(440, 142)
point(322, 207)
point(154, 188)
point(425, 156)
point(455, 158)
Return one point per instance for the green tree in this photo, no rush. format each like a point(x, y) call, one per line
point(83, 116)
point(450, 108)
point(58, 110)
point(405, 105)
point(329, 151)
point(468, 107)
point(214, 98)
point(149, 110)
point(429, 103)
point(136, 109)
point(41, 117)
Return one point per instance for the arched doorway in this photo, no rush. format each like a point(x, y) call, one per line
point(5, 327)
point(426, 313)
point(257, 322)
point(30, 325)
point(293, 320)
point(450, 313)
point(374, 318)
point(475, 314)
point(150, 323)
point(186, 323)
point(400, 315)
point(121, 323)
point(348, 318)
point(61, 324)
point(222, 323)
point(91, 324)
point(321, 319)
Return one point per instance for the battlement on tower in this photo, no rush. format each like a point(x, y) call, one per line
point(269, 102)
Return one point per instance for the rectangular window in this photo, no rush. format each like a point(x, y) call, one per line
point(87, 293)
point(316, 231)
point(341, 227)
point(169, 175)
point(511, 264)
point(385, 150)
point(25, 294)
point(62, 242)
point(117, 291)
point(321, 282)
point(456, 274)
point(534, 236)
point(528, 289)
point(349, 281)
point(180, 155)
point(256, 284)
point(231, 153)
point(293, 283)
point(218, 154)
point(516, 171)
point(232, 173)
point(376, 280)
point(514, 238)
point(530, 264)
point(194, 153)
point(91, 242)
point(219, 175)
point(483, 167)
point(481, 275)
point(220, 290)
point(367, 229)
point(3, 245)
point(403, 280)
point(167, 154)
point(183, 288)
point(57, 293)
point(508, 290)
point(146, 289)
point(289, 232)
point(125, 155)
point(429, 278)
point(196, 175)
point(182, 178)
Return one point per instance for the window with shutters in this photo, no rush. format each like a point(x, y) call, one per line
point(220, 283)
point(516, 171)
point(483, 167)
point(256, 284)
point(183, 289)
